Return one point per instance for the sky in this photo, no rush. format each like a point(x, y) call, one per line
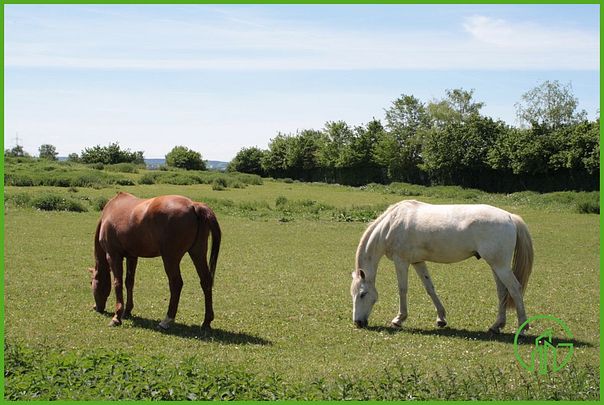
point(217, 78)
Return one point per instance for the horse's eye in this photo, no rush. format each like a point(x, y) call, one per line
point(363, 294)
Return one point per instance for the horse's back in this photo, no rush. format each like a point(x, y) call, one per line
point(148, 227)
point(448, 233)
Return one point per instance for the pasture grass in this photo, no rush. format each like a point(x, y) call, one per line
point(282, 304)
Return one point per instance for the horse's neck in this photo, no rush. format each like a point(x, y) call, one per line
point(370, 251)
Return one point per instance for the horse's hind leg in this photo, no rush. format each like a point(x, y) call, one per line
point(504, 273)
point(501, 315)
point(402, 276)
point(130, 272)
point(422, 271)
point(172, 268)
point(199, 256)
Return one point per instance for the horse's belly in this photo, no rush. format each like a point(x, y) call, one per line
point(440, 253)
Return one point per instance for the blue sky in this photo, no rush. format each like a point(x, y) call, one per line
point(216, 78)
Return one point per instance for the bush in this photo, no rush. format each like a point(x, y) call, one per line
point(122, 168)
point(185, 158)
point(19, 200)
point(111, 154)
point(54, 202)
point(588, 207)
point(280, 201)
point(99, 203)
point(147, 178)
point(219, 183)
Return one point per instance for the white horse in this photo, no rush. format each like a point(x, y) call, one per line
point(412, 232)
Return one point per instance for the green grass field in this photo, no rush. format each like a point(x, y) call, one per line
point(283, 324)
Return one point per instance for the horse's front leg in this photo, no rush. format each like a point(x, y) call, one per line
point(130, 272)
point(402, 273)
point(117, 268)
point(422, 271)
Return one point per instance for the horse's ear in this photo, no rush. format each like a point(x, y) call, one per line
point(91, 270)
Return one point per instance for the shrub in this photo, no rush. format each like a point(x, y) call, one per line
point(122, 168)
point(99, 203)
point(588, 207)
point(125, 182)
point(147, 178)
point(280, 201)
point(19, 200)
point(219, 183)
point(54, 202)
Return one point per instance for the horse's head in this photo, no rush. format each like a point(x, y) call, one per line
point(101, 287)
point(364, 295)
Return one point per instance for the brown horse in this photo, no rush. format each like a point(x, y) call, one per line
point(167, 226)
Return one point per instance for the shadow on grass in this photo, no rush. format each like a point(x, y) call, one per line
point(195, 332)
point(485, 336)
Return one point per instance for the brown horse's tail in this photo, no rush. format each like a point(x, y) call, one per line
point(522, 264)
point(207, 217)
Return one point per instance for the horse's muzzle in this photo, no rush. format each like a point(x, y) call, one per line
point(361, 324)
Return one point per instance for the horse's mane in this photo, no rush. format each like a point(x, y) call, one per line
point(369, 231)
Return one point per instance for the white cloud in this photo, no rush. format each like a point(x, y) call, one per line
point(239, 41)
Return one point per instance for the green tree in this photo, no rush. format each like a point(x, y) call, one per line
point(247, 160)
point(457, 107)
point(549, 105)
point(399, 149)
point(337, 137)
point(458, 152)
point(16, 151)
point(185, 158)
point(302, 151)
point(47, 151)
point(73, 157)
point(111, 154)
point(359, 152)
point(274, 161)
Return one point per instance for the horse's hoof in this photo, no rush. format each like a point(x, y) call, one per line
point(441, 324)
point(395, 325)
point(206, 327)
point(127, 315)
point(494, 331)
point(115, 322)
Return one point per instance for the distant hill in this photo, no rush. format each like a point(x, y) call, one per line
point(156, 163)
point(211, 164)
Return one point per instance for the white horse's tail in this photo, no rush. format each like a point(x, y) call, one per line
point(522, 264)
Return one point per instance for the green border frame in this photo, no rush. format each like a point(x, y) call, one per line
point(269, 2)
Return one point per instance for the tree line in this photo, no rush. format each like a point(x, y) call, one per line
point(448, 142)
point(179, 157)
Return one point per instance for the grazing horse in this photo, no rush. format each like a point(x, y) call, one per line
point(412, 232)
point(167, 226)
